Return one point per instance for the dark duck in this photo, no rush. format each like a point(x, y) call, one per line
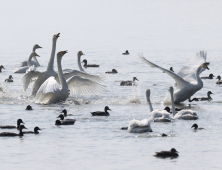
point(65, 113)
point(129, 82)
point(9, 79)
point(208, 98)
point(171, 69)
point(164, 154)
point(63, 121)
point(101, 113)
point(114, 71)
point(29, 107)
point(36, 130)
point(19, 121)
point(126, 53)
point(211, 76)
point(1, 67)
point(88, 65)
point(195, 126)
point(219, 80)
point(5, 134)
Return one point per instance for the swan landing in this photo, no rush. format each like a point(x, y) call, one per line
point(187, 80)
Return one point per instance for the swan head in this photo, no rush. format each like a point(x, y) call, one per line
point(218, 77)
point(171, 90)
point(134, 78)
point(148, 94)
point(36, 46)
point(56, 36)
point(61, 53)
point(80, 53)
point(205, 65)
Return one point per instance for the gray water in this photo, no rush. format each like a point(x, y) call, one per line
point(169, 33)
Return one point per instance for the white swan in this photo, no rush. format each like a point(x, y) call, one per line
point(42, 76)
point(157, 115)
point(136, 126)
point(183, 114)
point(187, 80)
point(34, 60)
point(53, 92)
point(29, 67)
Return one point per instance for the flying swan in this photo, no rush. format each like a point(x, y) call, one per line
point(187, 80)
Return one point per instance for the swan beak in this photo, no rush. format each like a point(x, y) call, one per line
point(57, 35)
point(205, 66)
point(40, 47)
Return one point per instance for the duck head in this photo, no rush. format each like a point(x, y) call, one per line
point(36, 129)
point(195, 126)
point(173, 150)
point(218, 77)
point(167, 109)
point(134, 78)
point(107, 108)
point(65, 112)
point(61, 117)
point(29, 107)
point(211, 76)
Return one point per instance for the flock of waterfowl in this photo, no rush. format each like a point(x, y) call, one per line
point(53, 87)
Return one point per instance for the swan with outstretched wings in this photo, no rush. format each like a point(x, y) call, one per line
point(187, 80)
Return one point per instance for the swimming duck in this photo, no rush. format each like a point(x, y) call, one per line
point(19, 121)
point(211, 76)
point(35, 130)
point(1, 67)
point(219, 81)
point(202, 98)
point(65, 113)
point(9, 79)
point(14, 134)
point(114, 71)
point(164, 154)
point(126, 53)
point(171, 69)
point(58, 122)
point(196, 127)
point(128, 82)
point(29, 107)
point(88, 65)
point(100, 113)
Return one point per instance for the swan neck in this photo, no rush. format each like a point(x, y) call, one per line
point(199, 81)
point(172, 103)
point(51, 60)
point(29, 60)
point(35, 59)
point(79, 63)
point(61, 77)
point(149, 102)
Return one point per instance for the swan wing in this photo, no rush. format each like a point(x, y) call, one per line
point(188, 72)
point(29, 77)
point(67, 73)
point(49, 86)
point(180, 82)
point(84, 86)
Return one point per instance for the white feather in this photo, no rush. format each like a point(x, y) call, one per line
point(136, 126)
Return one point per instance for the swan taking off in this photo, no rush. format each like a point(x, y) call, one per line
point(34, 60)
point(157, 115)
point(183, 114)
point(29, 67)
point(187, 80)
point(53, 92)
